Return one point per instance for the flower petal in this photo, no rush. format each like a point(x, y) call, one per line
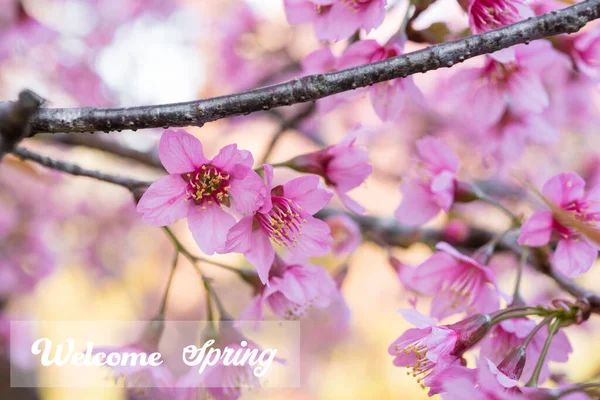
point(261, 255)
point(536, 231)
point(210, 227)
point(307, 192)
point(574, 257)
point(239, 237)
point(249, 193)
point(180, 152)
point(164, 201)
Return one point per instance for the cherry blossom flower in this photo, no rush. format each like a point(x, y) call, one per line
point(344, 167)
point(586, 53)
point(388, 98)
point(292, 291)
point(458, 283)
point(433, 189)
point(510, 334)
point(574, 254)
point(284, 220)
point(507, 80)
point(335, 20)
point(201, 189)
point(345, 233)
point(486, 15)
point(428, 348)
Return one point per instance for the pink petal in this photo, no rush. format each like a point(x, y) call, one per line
point(292, 289)
point(228, 159)
point(253, 312)
point(319, 61)
point(487, 104)
point(315, 240)
point(358, 53)
point(527, 93)
point(388, 99)
point(239, 237)
point(415, 318)
point(374, 15)
point(261, 255)
point(299, 11)
point(564, 188)
point(574, 257)
point(307, 192)
point(164, 201)
point(180, 152)
point(337, 23)
point(350, 203)
point(209, 228)
point(418, 205)
point(437, 154)
point(248, 194)
point(536, 231)
point(428, 277)
point(268, 204)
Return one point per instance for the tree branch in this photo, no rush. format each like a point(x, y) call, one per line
point(389, 232)
point(134, 185)
point(314, 87)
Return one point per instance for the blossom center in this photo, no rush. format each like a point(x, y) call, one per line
point(208, 185)
point(580, 210)
point(493, 14)
point(354, 5)
point(283, 223)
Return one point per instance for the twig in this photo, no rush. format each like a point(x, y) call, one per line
point(314, 87)
point(133, 185)
point(14, 119)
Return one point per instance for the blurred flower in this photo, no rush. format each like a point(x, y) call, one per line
point(428, 349)
point(343, 166)
point(574, 253)
point(486, 15)
point(433, 189)
point(335, 20)
point(586, 53)
point(510, 334)
point(292, 291)
point(458, 283)
point(286, 220)
point(345, 233)
point(201, 189)
point(388, 98)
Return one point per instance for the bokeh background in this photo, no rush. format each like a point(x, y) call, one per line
point(93, 259)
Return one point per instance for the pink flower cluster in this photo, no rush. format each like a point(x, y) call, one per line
point(210, 192)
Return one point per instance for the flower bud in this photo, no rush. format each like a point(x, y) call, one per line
point(470, 331)
point(513, 364)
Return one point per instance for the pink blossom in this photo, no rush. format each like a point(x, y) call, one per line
point(136, 376)
point(510, 334)
point(427, 349)
point(586, 53)
point(292, 291)
point(19, 31)
point(344, 167)
point(510, 80)
point(507, 139)
point(201, 189)
point(433, 189)
point(574, 254)
point(388, 98)
point(335, 20)
point(285, 220)
point(486, 15)
point(345, 233)
point(458, 283)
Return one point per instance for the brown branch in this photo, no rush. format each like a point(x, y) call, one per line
point(15, 119)
point(314, 87)
point(134, 185)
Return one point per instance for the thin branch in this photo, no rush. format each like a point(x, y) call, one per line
point(390, 232)
point(105, 144)
point(314, 87)
point(133, 185)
